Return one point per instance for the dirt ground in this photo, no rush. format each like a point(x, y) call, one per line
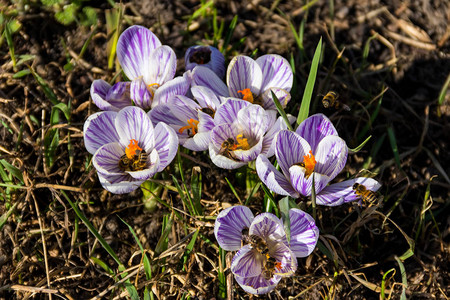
point(387, 59)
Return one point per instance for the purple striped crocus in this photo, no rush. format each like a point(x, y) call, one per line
point(264, 254)
point(314, 149)
point(108, 97)
point(242, 132)
point(207, 56)
point(252, 80)
point(127, 148)
point(191, 119)
point(150, 66)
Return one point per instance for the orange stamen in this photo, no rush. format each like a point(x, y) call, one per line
point(130, 151)
point(278, 266)
point(309, 163)
point(247, 95)
point(192, 125)
point(242, 142)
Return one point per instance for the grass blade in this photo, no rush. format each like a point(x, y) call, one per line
point(130, 288)
point(281, 110)
point(307, 95)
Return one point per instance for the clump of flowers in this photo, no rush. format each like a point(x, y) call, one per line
point(264, 254)
point(127, 148)
point(316, 151)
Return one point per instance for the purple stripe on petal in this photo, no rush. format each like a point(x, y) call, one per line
point(205, 97)
point(206, 77)
point(331, 156)
point(119, 184)
point(99, 129)
point(268, 226)
point(228, 111)
point(290, 149)
point(166, 143)
point(106, 159)
point(134, 49)
point(258, 285)
point(276, 72)
point(222, 161)
point(254, 120)
point(229, 225)
point(247, 262)
point(99, 90)
point(139, 94)
point(315, 128)
point(274, 179)
point(304, 233)
point(133, 123)
point(243, 73)
point(177, 86)
point(342, 192)
point(163, 66)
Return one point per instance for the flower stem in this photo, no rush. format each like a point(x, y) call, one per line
point(313, 196)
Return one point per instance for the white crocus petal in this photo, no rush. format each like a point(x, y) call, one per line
point(205, 97)
point(106, 159)
point(276, 72)
point(164, 67)
point(342, 192)
point(268, 226)
point(166, 141)
point(204, 76)
point(290, 149)
point(140, 94)
point(229, 225)
point(177, 86)
point(243, 73)
point(247, 262)
point(134, 49)
point(303, 185)
point(133, 123)
point(222, 161)
point(119, 184)
point(254, 121)
point(258, 285)
point(274, 179)
point(331, 156)
point(315, 128)
point(99, 129)
point(228, 111)
point(304, 233)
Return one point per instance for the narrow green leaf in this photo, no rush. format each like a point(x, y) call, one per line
point(7, 214)
point(21, 74)
point(103, 265)
point(233, 190)
point(8, 35)
point(230, 33)
point(161, 246)
point(393, 142)
point(51, 142)
point(47, 90)
point(404, 279)
point(196, 188)
point(383, 283)
point(146, 261)
point(354, 150)
point(284, 210)
point(13, 170)
point(64, 108)
point(307, 95)
point(281, 111)
point(130, 288)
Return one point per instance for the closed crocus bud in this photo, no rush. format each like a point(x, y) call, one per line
point(206, 56)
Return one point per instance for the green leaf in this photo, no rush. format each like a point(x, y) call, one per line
point(51, 142)
point(64, 108)
point(284, 210)
point(21, 74)
point(404, 278)
point(307, 95)
point(68, 15)
point(47, 90)
point(6, 215)
point(89, 16)
point(354, 150)
point(103, 265)
point(13, 170)
point(281, 111)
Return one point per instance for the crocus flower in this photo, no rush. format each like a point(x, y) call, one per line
point(207, 56)
point(192, 120)
point(267, 256)
point(127, 148)
point(313, 150)
point(149, 65)
point(108, 97)
point(253, 80)
point(242, 132)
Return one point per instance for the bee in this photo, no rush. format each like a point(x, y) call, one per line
point(227, 149)
point(364, 193)
point(209, 111)
point(136, 163)
point(257, 243)
point(330, 100)
point(269, 267)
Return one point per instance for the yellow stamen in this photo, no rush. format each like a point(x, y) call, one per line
point(152, 87)
point(247, 95)
point(309, 162)
point(192, 126)
point(242, 142)
point(130, 151)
